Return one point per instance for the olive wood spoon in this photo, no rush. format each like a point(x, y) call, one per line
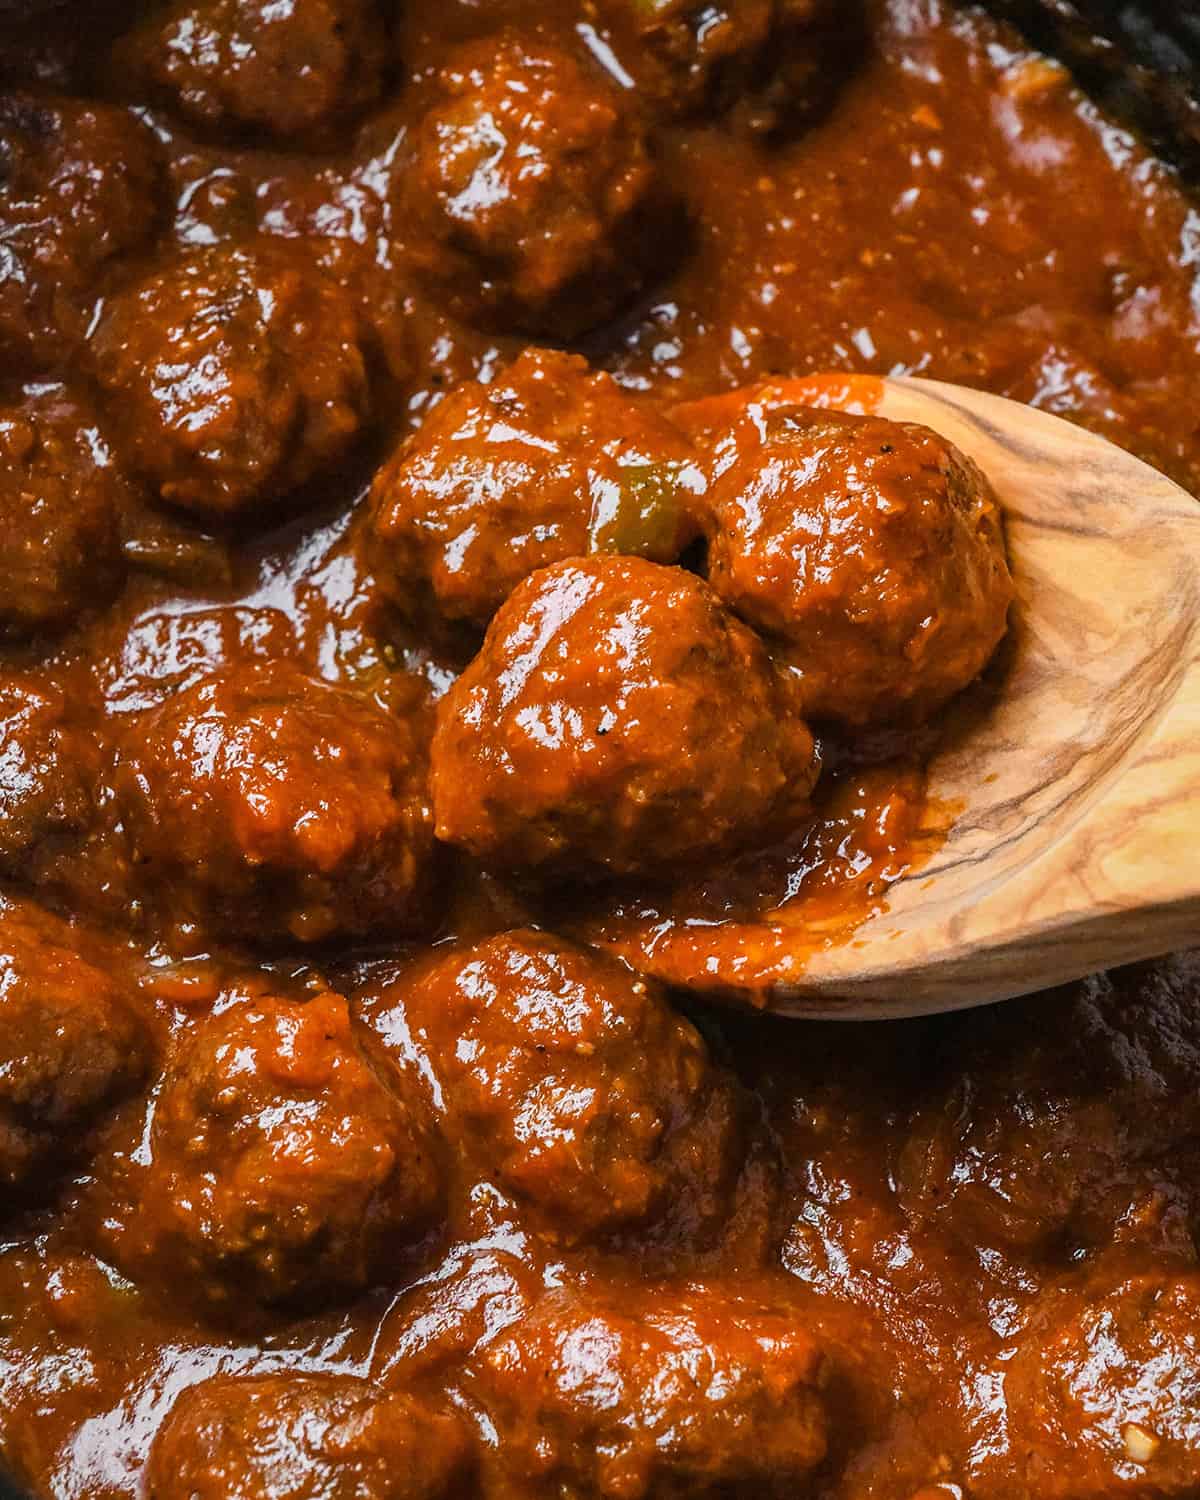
point(1070, 812)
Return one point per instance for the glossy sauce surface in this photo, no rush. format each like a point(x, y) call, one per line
point(940, 1259)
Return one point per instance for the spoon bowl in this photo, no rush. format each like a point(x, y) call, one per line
point(1066, 819)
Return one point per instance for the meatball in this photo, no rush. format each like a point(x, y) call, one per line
point(548, 462)
point(779, 63)
point(670, 1393)
point(286, 1164)
point(531, 196)
point(578, 1085)
point(271, 805)
point(1060, 1116)
point(296, 1437)
point(234, 374)
point(81, 192)
point(60, 500)
point(617, 720)
point(69, 1042)
point(1103, 1391)
point(293, 71)
point(871, 551)
point(479, 1289)
point(47, 770)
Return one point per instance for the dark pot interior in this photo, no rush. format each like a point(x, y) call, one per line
point(1140, 59)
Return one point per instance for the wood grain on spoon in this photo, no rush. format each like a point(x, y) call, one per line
point(1073, 805)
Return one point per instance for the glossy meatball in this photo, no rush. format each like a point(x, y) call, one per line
point(578, 1085)
point(48, 770)
point(549, 461)
point(661, 1392)
point(293, 70)
point(1103, 1392)
point(531, 193)
point(1059, 1117)
point(299, 1437)
point(617, 720)
point(81, 192)
point(274, 806)
point(287, 1166)
point(233, 374)
point(69, 1043)
point(776, 63)
point(871, 551)
point(60, 498)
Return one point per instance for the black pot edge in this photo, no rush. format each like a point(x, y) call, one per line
point(1138, 59)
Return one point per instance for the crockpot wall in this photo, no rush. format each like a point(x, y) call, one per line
point(1140, 59)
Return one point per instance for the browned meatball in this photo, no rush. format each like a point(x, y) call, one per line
point(233, 374)
point(777, 62)
point(299, 1437)
point(286, 1165)
point(531, 191)
point(293, 69)
point(576, 1083)
point(69, 1043)
point(1103, 1392)
point(275, 806)
point(872, 551)
point(48, 770)
point(656, 1392)
point(60, 496)
point(79, 191)
point(1060, 1115)
point(549, 461)
point(617, 720)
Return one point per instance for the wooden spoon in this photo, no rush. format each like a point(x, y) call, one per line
point(1072, 837)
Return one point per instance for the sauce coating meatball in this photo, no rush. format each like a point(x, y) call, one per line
point(286, 1165)
point(550, 461)
point(578, 1085)
point(69, 1042)
point(234, 373)
point(1103, 1391)
point(60, 499)
point(81, 189)
point(617, 720)
point(47, 770)
point(275, 806)
point(293, 70)
point(778, 63)
point(296, 1437)
point(687, 1393)
point(1061, 1116)
point(531, 191)
point(871, 551)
